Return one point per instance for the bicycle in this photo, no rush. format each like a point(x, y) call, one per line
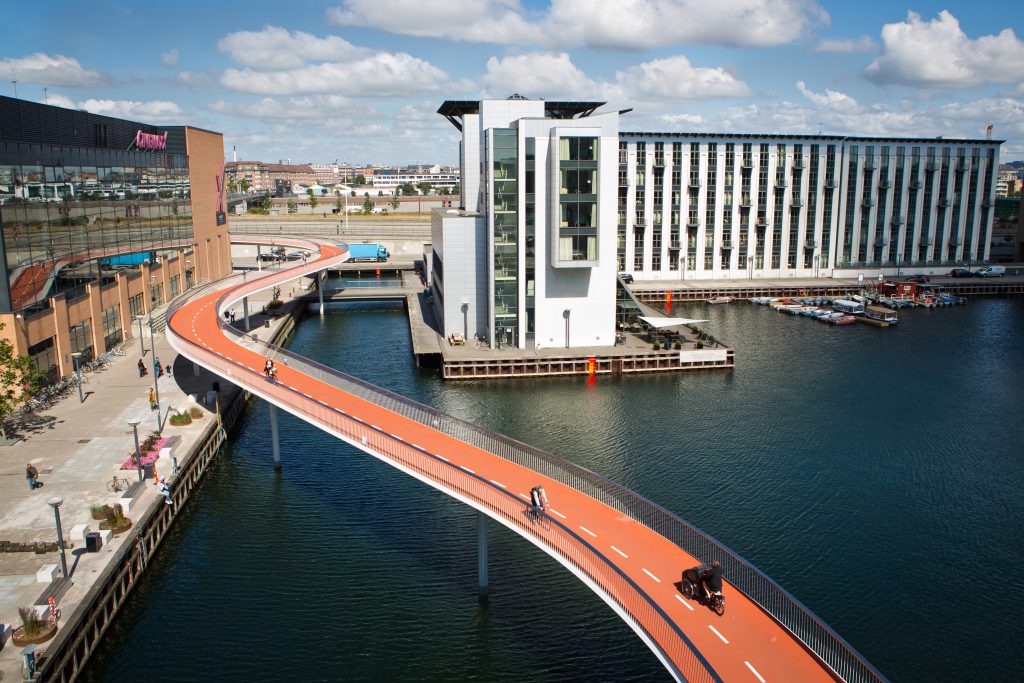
point(117, 484)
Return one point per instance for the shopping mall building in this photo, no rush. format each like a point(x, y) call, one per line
point(103, 221)
point(556, 200)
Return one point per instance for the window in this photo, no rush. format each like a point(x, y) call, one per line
point(111, 328)
point(577, 149)
point(135, 306)
point(81, 340)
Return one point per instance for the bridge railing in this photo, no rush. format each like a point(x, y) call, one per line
point(828, 646)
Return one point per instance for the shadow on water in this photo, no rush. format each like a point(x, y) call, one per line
point(856, 466)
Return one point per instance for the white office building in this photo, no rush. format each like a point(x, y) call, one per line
point(529, 262)
point(718, 206)
point(555, 201)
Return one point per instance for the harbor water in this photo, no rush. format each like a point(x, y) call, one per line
point(874, 473)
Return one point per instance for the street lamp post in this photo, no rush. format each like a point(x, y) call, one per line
point(77, 358)
point(138, 453)
point(55, 503)
point(142, 347)
point(156, 385)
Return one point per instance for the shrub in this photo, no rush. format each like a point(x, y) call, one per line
point(678, 345)
point(274, 304)
point(181, 419)
point(700, 345)
point(115, 519)
point(32, 624)
point(657, 346)
point(195, 412)
point(99, 511)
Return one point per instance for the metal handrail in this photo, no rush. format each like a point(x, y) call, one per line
point(828, 646)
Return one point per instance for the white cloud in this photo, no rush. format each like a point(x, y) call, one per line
point(318, 107)
point(845, 45)
point(382, 74)
point(59, 100)
point(277, 48)
point(832, 99)
point(170, 58)
point(553, 75)
point(550, 75)
point(624, 24)
point(675, 79)
point(192, 78)
point(939, 53)
point(151, 111)
point(45, 69)
point(682, 120)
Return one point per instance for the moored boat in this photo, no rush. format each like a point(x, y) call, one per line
point(848, 306)
point(844, 320)
point(720, 300)
point(879, 317)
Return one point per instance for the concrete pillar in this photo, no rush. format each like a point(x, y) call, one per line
point(481, 553)
point(245, 313)
point(320, 288)
point(275, 442)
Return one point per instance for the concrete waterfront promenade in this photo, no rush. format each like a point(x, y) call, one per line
point(77, 448)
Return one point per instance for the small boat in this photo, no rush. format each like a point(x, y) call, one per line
point(848, 306)
point(844, 320)
point(878, 316)
point(720, 300)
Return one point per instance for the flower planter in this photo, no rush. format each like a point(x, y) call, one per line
point(119, 530)
point(20, 641)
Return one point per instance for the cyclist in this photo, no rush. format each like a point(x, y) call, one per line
point(539, 498)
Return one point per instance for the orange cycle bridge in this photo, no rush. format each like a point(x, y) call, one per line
point(623, 547)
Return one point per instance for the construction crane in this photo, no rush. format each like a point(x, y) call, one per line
point(988, 132)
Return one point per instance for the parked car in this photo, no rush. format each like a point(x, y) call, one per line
point(626, 277)
point(991, 271)
point(961, 272)
point(919, 278)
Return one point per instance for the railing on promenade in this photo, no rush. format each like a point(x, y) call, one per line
point(830, 648)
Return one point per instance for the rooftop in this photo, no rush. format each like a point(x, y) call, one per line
point(812, 138)
point(454, 110)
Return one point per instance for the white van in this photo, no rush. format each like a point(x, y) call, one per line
point(991, 271)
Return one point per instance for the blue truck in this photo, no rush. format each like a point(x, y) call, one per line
point(121, 260)
point(368, 252)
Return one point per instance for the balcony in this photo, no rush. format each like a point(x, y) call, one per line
point(797, 203)
point(897, 220)
point(915, 185)
point(747, 164)
point(924, 241)
point(954, 241)
point(781, 185)
point(943, 203)
point(881, 241)
point(961, 167)
point(761, 224)
point(675, 245)
point(745, 204)
point(868, 203)
point(798, 164)
point(692, 225)
point(810, 243)
point(640, 222)
point(869, 165)
point(883, 184)
point(931, 167)
point(694, 186)
point(726, 245)
point(659, 162)
point(830, 184)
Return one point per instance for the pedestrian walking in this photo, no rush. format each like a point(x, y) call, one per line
point(231, 315)
point(142, 368)
point(268, 369)
point(167, 369)
point(152, 399)
point(158, 369)
point(32, 474)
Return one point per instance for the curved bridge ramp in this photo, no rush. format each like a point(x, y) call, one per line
point(626, 549)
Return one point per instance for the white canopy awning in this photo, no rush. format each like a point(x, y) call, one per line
point(669, 322)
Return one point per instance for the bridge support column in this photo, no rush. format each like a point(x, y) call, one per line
point(275, 442)
point(259, 258)
point(320, 288)
point(481, 553)
point(245, 313)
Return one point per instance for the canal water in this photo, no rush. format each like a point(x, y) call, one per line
point(876, 474)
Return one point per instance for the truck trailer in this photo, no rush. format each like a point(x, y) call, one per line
point(367, 252)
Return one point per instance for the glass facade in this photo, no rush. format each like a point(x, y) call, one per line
point(72, 216)
point(577, 202)
point(504, 170)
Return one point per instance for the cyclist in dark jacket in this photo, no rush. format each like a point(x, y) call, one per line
point(711, 578)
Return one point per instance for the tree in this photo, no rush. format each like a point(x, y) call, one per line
point(267, 202)
point(367, 205)
point(425, 188)
point(443, 191)
point(313, 201)
point(407, 189)
point(360, 180)
point(338, 202)
point(292, 206)
point(19, 380)
point(455, 190)
point(243, 185)
point(353, 193)
point(394, 203)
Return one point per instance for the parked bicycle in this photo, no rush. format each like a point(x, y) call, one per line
point(118, 484)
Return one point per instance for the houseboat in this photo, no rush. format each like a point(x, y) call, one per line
point(879, 316)
point(848, 306)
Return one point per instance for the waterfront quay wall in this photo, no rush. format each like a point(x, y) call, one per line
point(82, 629)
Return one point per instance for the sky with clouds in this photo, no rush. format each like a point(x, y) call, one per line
point(361, 80)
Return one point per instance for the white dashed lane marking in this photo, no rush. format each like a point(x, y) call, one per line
point(498, 483)
point(620, 552)
point(651, 575)
point(715, 631)
point(754, 671)
point(685, 604)
point(558, 513)
point(588, 531)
